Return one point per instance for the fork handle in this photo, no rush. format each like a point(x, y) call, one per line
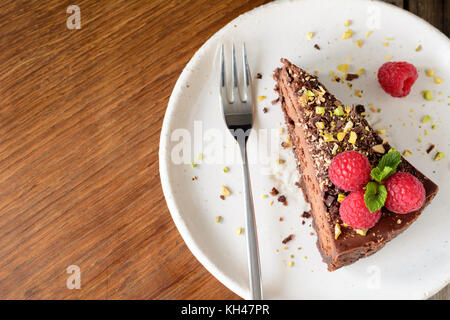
point(252, 237)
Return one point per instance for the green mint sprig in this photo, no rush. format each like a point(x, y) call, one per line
point(387, 166)
point(376, 193)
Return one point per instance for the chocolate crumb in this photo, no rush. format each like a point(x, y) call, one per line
point(297, 184)
point(317, 46)
point(282, 199)
point(258, 76)
point(306, 215)
point(194, 178)
point(351, 76)
point(276, 100)
point(284, 145)
point(274, 192)
point(222, 197)
point(288, 238)
point(430, 148)
point(265, 110)
point(303, 222)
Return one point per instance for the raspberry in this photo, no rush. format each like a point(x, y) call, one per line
point(405, 193)
point(397, 78)
point(350, 171)
point(353, 211)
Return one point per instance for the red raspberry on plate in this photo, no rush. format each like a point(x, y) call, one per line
point(397, 78)
point(350, 171)
point(353, 211)
point(405, 193)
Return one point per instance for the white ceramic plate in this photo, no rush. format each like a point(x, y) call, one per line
point(414, 265)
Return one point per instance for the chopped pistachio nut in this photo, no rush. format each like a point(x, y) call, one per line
point(425, 132)
point(320, 110)
point(347, 23)
point(309, 35)
point(379, 148)
point(439, 156)
point(193, 165)
point(361, 232)
point(359, 43)
point(347, 34)
point(219, 219)
point(261, 98)
point(264, 196)
point(427, 95)
point(388, 57)
point(327, 137)
point(433, 127)
point(348, 126)
point(309, 93)
point(419, 140)
point(320, 125)
point(353, 137)
point(290, 264)
point(339, 111)
point(341, 197)
point(407, 153)
point(226, 169)
point(438, 80)
point(360, 71)
point(368, 33)
point(200, 156)
point(419, 47)
point(429, 72)
point(341, 136)
point(343, 68)
point(225, 191)
point(426, 119)
point(337, 231)
point(239, 231)
point(335, 149)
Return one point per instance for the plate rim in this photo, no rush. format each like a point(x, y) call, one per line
point(181, 226)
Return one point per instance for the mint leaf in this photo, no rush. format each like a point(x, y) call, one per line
point(375, 196)
point(391, 159)
point(387, 166)
point(380, 175)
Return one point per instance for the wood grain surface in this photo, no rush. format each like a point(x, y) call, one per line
point(80, 119)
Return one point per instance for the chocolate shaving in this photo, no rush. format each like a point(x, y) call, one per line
point(222, 197)
point(274, 192)
point(317, 46)
point(430, 148)
point(265, 110)
point(282, 199)
point(329, 200)
point(288, 238)
point(306, 215)
point(351, 76)
point(258, 76)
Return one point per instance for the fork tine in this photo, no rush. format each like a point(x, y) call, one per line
point(235, 91)
point(223, 81)
point(247, 76)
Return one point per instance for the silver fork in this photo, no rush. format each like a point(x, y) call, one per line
point(238, 115)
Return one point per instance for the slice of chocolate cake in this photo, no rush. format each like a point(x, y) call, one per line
point(321, 127)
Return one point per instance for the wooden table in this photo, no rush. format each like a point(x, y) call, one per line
point(80, 118)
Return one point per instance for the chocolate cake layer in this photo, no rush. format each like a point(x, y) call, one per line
point(320, 127)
